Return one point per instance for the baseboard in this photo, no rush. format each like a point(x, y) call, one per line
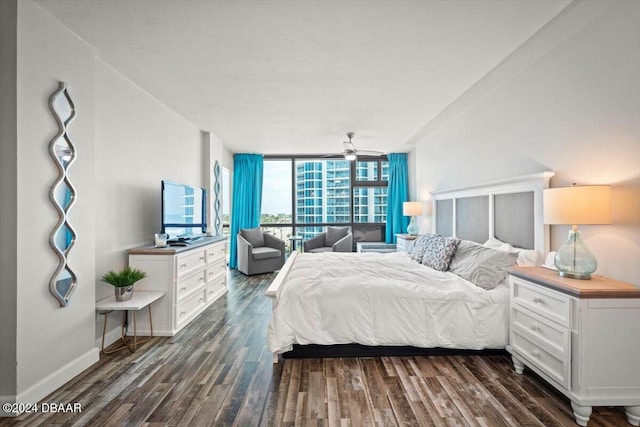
point(52, 382)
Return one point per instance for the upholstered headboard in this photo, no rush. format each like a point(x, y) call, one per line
point(509, 210)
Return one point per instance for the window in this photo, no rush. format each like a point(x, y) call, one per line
point(226, 204)
point(370, 191)
point(302, 195)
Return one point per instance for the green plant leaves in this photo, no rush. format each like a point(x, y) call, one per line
point(125, 277)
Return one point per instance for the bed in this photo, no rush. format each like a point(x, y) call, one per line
point(378, 299)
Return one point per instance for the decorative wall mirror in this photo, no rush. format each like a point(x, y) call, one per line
point(62, 194)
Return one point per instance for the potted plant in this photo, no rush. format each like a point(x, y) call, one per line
point(123, 281)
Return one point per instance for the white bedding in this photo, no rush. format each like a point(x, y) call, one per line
point(384, 299)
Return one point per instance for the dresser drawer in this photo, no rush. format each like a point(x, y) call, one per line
point(558, 368)
point(188, 284)
point(186, 309)
point(214, 287)
point(189, 262)
point(215, 271)
point(546, 303)
point(542, 330)
point(217, 254)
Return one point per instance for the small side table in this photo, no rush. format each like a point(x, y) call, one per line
point(294, 242)
point(405, 241)
point(138, 301)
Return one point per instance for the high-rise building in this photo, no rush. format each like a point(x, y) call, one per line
point(323, 194)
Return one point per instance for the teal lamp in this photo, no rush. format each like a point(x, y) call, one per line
point(577, 205)
point(412, 209)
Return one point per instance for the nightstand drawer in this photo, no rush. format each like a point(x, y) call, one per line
point(544, 302)
point(542, 330)
point(555, 367)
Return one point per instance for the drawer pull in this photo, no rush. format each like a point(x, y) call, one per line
point(535, 327)
point(537, 300)
point(535, 352)
point(201, 279)
point(182, 289)
point(201, 300)
point(183, 265)
point(182, 313)
point(201, 258)
point(222, 267)
point(222, 250)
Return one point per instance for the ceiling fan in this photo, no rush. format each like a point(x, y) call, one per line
point(350, 151)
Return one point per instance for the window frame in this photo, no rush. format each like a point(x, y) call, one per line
point(294, 224)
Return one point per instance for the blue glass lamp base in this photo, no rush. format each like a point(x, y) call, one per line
point(574, 259)
point(413, 227)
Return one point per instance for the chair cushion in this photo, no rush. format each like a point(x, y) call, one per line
point(265, 252)
point(334, 234)
point(321, 249)
point(253, 236)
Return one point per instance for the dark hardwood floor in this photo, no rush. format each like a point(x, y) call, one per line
point(218, 371)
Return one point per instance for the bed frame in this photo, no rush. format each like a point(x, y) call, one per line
point(509, 210)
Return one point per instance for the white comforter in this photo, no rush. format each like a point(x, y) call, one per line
point(384, 299)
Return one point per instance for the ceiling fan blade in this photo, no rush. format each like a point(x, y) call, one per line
point(348, 145)
point(371, 152)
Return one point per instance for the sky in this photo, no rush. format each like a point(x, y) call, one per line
point(276, 187)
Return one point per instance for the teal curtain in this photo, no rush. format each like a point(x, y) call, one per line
point(397, 193)
point(247, 198)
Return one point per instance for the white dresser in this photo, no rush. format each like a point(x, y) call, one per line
point(582, 336)
point(192, 278)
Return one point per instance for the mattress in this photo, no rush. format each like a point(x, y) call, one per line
point(384, 299)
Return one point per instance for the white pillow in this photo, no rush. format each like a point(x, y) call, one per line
point(526, 257)
point(493, 243)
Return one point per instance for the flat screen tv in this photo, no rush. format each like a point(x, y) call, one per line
point(184, 211)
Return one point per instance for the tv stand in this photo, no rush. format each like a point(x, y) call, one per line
point(192, 277)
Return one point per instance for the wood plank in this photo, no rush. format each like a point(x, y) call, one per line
point(218, 371)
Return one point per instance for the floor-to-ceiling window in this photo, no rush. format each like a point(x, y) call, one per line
point(324, 191)
point(226, 201)
point(276, 212)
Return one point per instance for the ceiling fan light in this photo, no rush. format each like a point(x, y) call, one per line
point(349, 155)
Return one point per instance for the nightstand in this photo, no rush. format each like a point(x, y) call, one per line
point(405, 242)
point(581, 336)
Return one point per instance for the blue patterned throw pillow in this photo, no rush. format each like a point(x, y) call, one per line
point(420, 246)
point(439, 251)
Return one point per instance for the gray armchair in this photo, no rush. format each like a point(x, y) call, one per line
point(335, 239)
point(259, 252)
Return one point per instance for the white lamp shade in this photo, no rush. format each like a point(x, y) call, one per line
point(589, 204)
point(412, 208)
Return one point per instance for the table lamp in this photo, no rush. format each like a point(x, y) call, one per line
point(412, 209)
point(577, 205)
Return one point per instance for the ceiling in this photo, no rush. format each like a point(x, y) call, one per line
point(278, 77)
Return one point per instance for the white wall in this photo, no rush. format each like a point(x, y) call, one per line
point(573, 109)
point(127, 142)
point(53, 344)
point(139, 142)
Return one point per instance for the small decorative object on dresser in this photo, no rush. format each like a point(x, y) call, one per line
point(123, 281)
point(405, 241)
point(575, 205)
point(581, 337)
